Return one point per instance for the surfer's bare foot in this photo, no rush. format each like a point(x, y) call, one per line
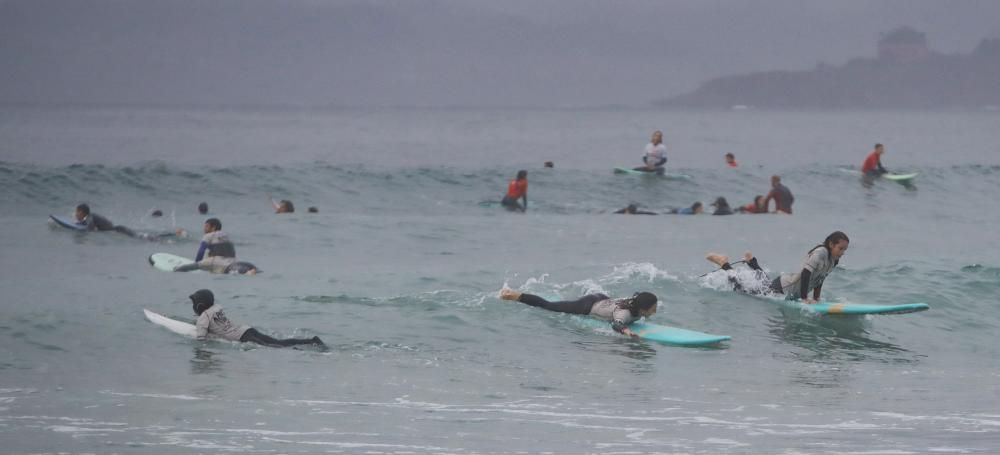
point(251, 272)
point(509, 294)
point(748, 256)
point(717, 259)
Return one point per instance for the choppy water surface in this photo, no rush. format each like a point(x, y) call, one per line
point(399, 272)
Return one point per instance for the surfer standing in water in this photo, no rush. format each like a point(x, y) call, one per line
point(212, 321)
point(517, 189)
point(656, 154)
point(782, 196)
point(620, 312)
point(216, 253)
point(820, 261)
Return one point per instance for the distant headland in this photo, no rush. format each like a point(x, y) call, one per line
point(905, 74)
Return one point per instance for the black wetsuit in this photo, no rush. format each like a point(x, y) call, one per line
point(253, 336)
point(757, 286)
point(97, 222)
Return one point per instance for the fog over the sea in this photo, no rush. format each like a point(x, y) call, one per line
point(438, 52)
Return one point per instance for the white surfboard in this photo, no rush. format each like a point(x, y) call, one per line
point(167, 262)
point(173, 325)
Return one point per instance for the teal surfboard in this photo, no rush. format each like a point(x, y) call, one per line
point(856, 308)
point(669, 175)
point(661, 333)
point(67, 223)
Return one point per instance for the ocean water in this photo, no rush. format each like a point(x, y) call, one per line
point(399, 273)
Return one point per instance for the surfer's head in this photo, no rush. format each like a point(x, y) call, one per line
point(657, 137)
point(642, 304)
point(285, 206)
point(212, 225)
point(201, 300)
point(697, 208)
point(156, 213)
point(203, 208)
point(879, 149)
point(836, 243)
point(522, 174)
point(775, 181)
point(82, 211)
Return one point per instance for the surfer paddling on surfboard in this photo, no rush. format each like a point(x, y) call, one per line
point(620, 312)
point(820, 261)
point(212, 321)
point(94, 222)
point(216, 253)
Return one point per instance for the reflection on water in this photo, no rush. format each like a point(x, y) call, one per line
point(834, 339)
point(204, 362)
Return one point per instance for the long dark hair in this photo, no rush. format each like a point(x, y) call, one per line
point(638, 302)
point(831, 240)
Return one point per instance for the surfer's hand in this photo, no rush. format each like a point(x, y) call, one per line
point(628, 332)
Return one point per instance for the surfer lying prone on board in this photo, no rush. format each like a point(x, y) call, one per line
point(211, 320)
point(621, 312)
point(216, 253)
point(820, 261)
point(95, 222)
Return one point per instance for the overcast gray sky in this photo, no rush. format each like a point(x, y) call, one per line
point(438, 52)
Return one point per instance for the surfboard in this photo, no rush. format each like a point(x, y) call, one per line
point(173, 325)
point(661, 333)
point(67, 223)
point(167, 262)
point(900, 178)
point(833, 308)
point(662, 173)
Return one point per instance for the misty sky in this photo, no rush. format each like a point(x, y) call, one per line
point(438, 52)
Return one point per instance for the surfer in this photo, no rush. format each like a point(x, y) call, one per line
point(216, 253)
point(695, 209)
point(872, 167)
point(517, 189)
point(656, 154)
point(633, 209)
point(621, 312)
point(283, 206)
point(95, 222)
point(782, 196)
point(820, 261)
point(721, 207)
point(211, 320)
point(757, 206)
point(731, 160)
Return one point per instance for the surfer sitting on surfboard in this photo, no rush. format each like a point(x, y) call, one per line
point(621, 312)
point(872, 167)
point(656, 154)
point(211, 320)
point(216, 253)
point(517, 189)
point(820, 261)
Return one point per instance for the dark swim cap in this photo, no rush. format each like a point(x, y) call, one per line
point(201, 300)
point(643, 300)
point(203, 208)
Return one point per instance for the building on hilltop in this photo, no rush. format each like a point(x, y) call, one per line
point(903, 45)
